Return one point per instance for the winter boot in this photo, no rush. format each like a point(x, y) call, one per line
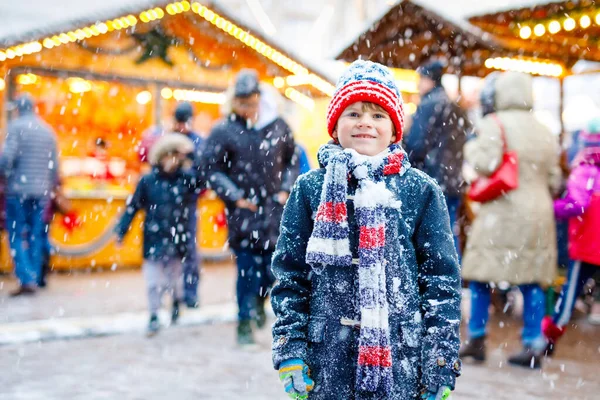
point(528, 358)
point(261, 316)
point(474, 348)
point(153, 325)
point(552, 332)
point(244, 334)
point(175, 312)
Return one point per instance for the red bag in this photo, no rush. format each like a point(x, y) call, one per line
point(503, 180)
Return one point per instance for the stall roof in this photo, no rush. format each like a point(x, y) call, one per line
point(569, 45)
point(36, 19)
point(411, 32)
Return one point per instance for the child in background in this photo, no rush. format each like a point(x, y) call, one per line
point(368, 293)
point(168, 195)
point(581, 206)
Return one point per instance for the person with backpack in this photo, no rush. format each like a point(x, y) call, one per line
point(436, 139)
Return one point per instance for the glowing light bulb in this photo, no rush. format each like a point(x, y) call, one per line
point(539, 30)
point(525, 32)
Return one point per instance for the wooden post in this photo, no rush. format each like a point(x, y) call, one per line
point(561, 109)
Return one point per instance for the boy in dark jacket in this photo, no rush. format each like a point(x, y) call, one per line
point(368, 293)
point(168, 195)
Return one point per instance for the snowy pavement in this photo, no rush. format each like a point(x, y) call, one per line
point(198, 359)
point(202, 362)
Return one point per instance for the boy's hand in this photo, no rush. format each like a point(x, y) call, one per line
point(295, 376)
point(442, 393)
point(247, 204)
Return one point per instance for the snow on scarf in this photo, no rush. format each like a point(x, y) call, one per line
point(329, 245)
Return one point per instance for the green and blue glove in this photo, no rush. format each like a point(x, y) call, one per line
point(442, 394)
point(295, 376)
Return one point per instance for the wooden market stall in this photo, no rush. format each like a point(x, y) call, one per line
point(410, 33)
point(114, 71)
point(563, 31)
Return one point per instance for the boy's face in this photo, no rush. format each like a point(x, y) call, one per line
point(171, 162)
point(366, 128)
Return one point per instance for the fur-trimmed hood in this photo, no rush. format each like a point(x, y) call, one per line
point(170, 142)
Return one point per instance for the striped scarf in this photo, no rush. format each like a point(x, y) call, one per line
point(329, 245)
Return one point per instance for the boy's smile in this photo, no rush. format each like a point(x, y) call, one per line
point(366, 128)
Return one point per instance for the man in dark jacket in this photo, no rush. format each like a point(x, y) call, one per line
point(436, 138)
point(184, 114)
point(29, 162)
point(252, 170)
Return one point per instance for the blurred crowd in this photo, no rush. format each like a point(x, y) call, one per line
point(544, 227)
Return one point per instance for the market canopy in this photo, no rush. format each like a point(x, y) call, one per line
point(410, 33)
point(568, 31)
point(158, 32)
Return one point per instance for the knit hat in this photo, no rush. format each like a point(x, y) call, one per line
point(370, 82)
point(432, 70)
point(591, 138)
point(184, 112)
point(246, 83)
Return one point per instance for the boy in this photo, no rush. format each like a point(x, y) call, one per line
point(368, 292)
point(168, 195)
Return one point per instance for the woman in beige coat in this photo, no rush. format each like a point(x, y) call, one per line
point(513, 237)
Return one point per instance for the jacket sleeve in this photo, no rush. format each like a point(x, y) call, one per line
point(134, 204)
point(290, 295)
point(440, 288)
point(415, 143)
point(484, 153)
point(9, 154)
point(291, 161)
point(215, 160)
point(579, 193)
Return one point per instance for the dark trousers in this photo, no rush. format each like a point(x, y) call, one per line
point(579, 273)
point(191, 278)
point(254, 280)
point(25, 226)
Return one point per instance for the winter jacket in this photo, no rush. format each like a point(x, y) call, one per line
point(423, 286)
point(241, 162)
point(581, 205)
point(513, 237)
point(169, 201)
point(30, 157)
point(435, 142)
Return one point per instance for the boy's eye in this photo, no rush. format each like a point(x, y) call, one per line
point(353, 114)
point(378, 116)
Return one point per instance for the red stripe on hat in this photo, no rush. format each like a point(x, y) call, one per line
point(356, 88)
point(371, 238)
point(375, 356)
point(394, 165)
point(330, 212)
point(367, 91)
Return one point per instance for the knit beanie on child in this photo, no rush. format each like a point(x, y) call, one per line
point(369, 82)
point(591, 138)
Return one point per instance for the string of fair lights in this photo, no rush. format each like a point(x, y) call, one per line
point(300, 74)
point(158, 13)
point(530, 29)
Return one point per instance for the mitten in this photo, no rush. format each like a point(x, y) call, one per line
point(295, 376)
point(442, 394)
